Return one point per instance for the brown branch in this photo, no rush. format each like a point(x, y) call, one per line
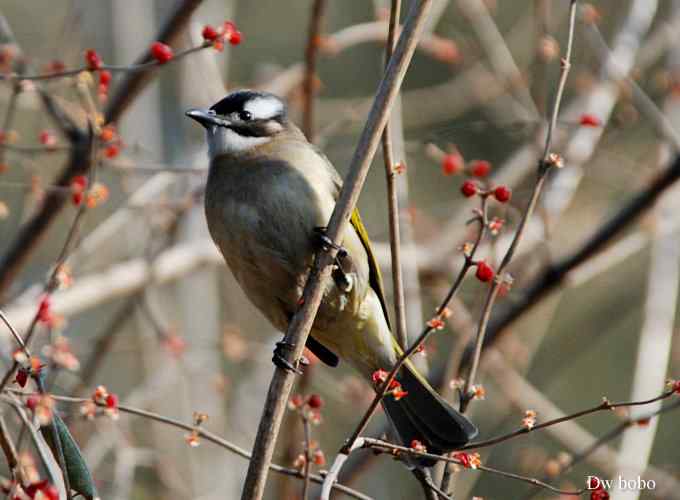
point(379, 445)
point(132, 68)
point(301, 323)
point(308, 457)
point(311, 52)
point(392, 198)
point(606, 438)
point(8, 449)
point(545, 164)
point(605, 405)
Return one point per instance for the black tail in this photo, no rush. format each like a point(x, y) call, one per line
point(424, 415)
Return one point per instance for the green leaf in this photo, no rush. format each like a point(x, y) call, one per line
point(79, 475)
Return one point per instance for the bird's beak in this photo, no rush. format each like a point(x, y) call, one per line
point(206, 118)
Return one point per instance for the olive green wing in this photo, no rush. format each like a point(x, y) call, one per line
point(374, 277)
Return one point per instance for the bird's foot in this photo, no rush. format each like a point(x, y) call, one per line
point(279, 358)
point(323, 242)
point(340, 277)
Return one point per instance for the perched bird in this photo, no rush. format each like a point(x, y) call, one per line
point(269, 195)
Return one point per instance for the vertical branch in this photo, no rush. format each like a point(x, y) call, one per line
point(308, 457)
point(543, 168)
point(301, 323)
point(309, 85)
point(542, 19)
point(392, 198)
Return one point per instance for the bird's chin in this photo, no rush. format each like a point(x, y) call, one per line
point(224, 141)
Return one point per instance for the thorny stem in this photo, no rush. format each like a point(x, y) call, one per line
point(543, 169)
point(427, 331)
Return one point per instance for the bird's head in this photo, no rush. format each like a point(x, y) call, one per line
point(241, 122)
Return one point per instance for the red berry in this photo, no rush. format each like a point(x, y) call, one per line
point(599, 494)
point(47, 138)
point(32, 402)
point(50, 492)
point(502, 194)
point(161, 52)
point(44, 310)
point(236, 37)
point(209, 33)
point(79, 182)
point(588, 120)
point(480, 168)
point(676, 387)
point(21, 377)
point(315, 401)
point(77, 198)
point(92, 59)
point(112, 401)
point(452, 163)
point(485, 272)
point(469, 188)
point(111, 151)
point(104, 77)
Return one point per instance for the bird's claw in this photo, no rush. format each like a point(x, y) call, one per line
point(279, 358)
point(342, 280)
point(325, 243)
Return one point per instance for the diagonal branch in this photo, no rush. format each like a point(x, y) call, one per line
point(301, 323)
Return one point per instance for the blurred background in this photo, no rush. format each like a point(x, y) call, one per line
point(155, 316)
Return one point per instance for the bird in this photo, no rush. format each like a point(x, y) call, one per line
point(269, 195)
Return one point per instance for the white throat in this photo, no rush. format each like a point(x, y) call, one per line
point(223, 140)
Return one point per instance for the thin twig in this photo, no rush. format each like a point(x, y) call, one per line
point(301, 323)
point(205, 434)
point(393, 449)
point(392, 198)
point(543, 168)
point(604, 406)
point(427, 331)
point(308, 457)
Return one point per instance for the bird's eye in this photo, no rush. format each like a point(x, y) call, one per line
point(245, 115)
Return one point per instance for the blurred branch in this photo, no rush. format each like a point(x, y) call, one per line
point(496, 50)
point(32, 231)
point(310, 80)
point(656, 335)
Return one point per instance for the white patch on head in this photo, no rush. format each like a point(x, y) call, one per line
point(223, 140)
point(264, 107)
